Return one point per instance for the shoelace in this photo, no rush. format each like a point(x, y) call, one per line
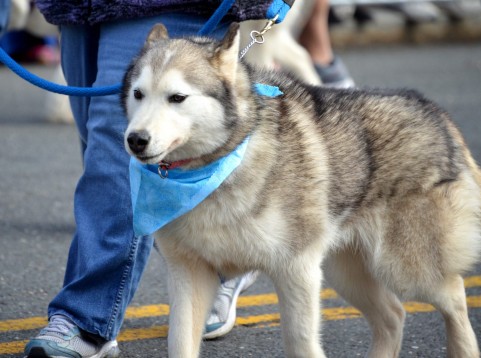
point(58, 325)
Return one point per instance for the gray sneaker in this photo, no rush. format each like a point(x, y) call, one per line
point(223, 314)
point(62, 338)
point(335, 74)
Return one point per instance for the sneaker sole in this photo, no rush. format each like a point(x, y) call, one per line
point(347, 83)
point(246, 282)
point(110, 350)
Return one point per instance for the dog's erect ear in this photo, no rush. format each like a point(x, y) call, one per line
point(226, 55)
point(158, 32)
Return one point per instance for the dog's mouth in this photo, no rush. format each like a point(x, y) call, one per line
point(146, 156)
point(150, 159)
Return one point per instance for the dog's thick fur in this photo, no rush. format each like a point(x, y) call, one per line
point(376, 191)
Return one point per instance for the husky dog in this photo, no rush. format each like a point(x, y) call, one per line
point(377, 192)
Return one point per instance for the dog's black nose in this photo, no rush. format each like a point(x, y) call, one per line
point(138, 141)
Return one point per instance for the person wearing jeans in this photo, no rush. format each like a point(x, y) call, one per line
point(106, 259)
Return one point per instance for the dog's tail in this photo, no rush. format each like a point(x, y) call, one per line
point(470, 244)
point(475, 168)
point(472, 165)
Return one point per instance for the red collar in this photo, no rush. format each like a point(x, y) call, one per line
point(172, 165)
point(164, 166)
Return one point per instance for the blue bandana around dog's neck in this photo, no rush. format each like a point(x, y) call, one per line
point(157, 201)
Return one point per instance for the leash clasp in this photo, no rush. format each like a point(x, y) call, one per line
point(269, 25)
point(163, 169)
point(257, 37)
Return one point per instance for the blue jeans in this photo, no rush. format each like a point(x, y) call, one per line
point(106, 259)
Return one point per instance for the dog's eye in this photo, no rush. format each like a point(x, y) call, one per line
point(177, 98)
point(138, 94)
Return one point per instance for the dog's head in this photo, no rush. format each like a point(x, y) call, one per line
point(177, 96)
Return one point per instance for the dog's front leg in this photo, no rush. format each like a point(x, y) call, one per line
point(298, 285)
point(192, 287)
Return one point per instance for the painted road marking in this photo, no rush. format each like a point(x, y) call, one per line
point(133, 334)
point(23, 324)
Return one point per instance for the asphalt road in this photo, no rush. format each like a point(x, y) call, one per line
point(40, 164)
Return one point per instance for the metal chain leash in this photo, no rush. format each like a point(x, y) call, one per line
point(257, 37)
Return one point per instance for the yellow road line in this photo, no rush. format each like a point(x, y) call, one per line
point(135, 334)
point(23, 324)
point(15, 347)
point(472, 281)
point(474, 301)
point(163, 309)
point(328, 314)
point(147, 311)
point(132, 312)
point(158, 310)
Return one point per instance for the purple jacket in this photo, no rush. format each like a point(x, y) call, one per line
point(82, 12)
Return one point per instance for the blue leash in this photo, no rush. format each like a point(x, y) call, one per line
point(54, 87)
point(216, 17)
point(208, 27)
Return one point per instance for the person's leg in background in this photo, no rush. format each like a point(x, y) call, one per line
point(106, 260)
point(4, 16)
point(316, 39)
